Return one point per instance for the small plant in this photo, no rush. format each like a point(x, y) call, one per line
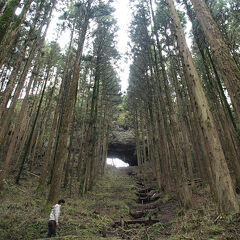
point(170, 196)
point(229, 218)
point(158, 226)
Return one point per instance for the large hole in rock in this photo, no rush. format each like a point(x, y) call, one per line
point(116, 162)
point(122, 145)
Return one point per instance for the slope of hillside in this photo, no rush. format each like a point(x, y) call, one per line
point(120, 206)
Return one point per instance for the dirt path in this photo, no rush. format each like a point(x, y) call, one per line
point(151, 210)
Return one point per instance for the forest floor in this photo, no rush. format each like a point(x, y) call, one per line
point(120, 206)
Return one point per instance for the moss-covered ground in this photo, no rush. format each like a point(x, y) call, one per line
point(22, 214)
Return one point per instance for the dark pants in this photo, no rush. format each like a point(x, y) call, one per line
point(51, 229)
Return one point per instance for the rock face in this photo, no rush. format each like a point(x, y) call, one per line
point(122, 145)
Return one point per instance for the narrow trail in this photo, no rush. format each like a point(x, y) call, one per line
point(148, 204)
point(150, 208)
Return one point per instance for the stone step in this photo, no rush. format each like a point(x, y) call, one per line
point(136, 221)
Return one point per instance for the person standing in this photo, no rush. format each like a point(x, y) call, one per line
point(53, 219)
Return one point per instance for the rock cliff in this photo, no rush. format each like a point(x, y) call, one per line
point(122, 145)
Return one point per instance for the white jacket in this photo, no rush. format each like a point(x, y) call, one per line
point(55, 213)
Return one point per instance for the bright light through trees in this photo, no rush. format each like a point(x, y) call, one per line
point(116, 162)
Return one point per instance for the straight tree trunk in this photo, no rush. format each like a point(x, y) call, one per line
point(183, 126)
point(69, 157)
point(66, 116)
point(43, 124)
point(44, 170)
point(29, 139)
point(186, 194)
point(18, 130)
point(91, 128)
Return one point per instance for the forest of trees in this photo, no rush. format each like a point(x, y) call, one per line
point(187, 115)
point(58, 106)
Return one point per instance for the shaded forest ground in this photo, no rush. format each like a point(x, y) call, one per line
point(111, 200)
